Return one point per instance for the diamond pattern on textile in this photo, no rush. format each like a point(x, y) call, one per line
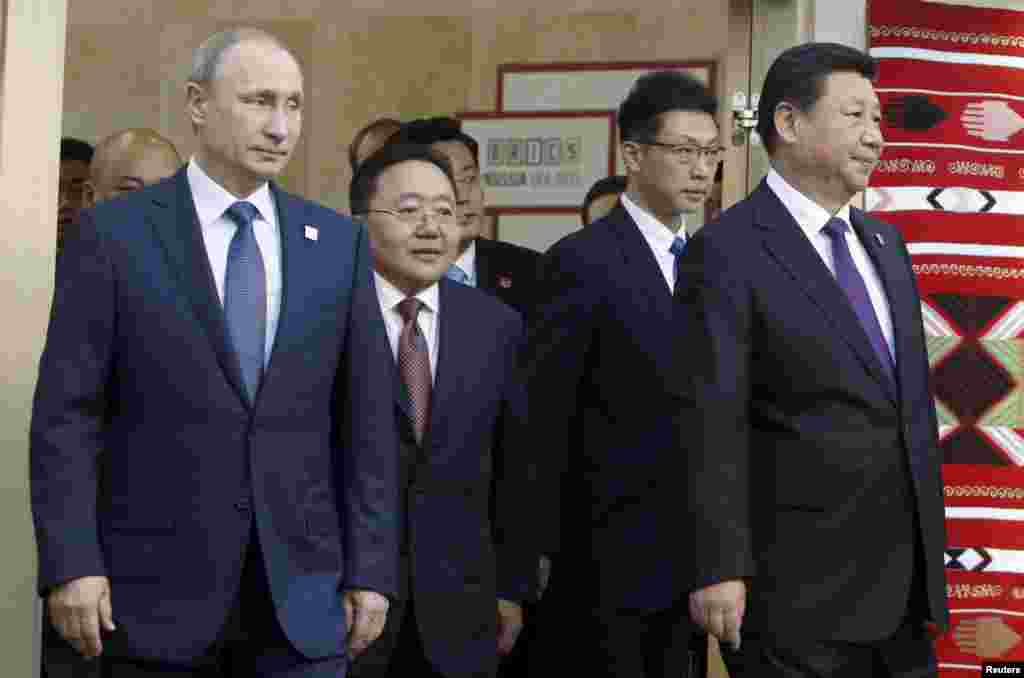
point(969, 381)
point(969, 446)
point(970, 314)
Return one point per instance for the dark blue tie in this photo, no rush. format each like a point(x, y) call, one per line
point(245, 297)
point(456, 273)
point(857, 292)
point(677, 248)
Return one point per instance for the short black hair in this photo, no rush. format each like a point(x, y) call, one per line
point(75, 149)
point(428, 131)
point(798, 75)
point(364, 183)
point(369, 128)
point(613, 185)
point(661, 92)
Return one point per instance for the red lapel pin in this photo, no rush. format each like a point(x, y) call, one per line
point(504, 282)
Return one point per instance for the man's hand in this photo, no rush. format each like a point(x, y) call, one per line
point(718, 609)
point(510, 623)
point(77, 608)
point(365, 614)
point(543, 576)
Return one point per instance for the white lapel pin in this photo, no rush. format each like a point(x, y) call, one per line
point(880, 239)
point(312, 233)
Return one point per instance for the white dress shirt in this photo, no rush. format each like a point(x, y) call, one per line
point(212, 201)
point(390, 297)
point(812, 217)
point(658, 237)
point(467, 262)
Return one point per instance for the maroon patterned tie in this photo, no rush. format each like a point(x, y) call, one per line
point(414, 363)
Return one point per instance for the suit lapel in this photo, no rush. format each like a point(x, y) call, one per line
point(892, 270)
point(295, 272)
point(788, 245)
point(177, 226)
point(484, 267)
point(645, 273)
point(454, 348)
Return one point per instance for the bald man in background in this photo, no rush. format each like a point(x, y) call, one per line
point(129, 160)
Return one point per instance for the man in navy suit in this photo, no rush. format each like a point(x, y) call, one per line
point(606, 401)
point(814, 492)
point(465, 570)
point(217, 341)
point(503, 269)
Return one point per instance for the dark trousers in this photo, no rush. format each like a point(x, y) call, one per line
point(612, 644)
point(907, 654)
point(251, 644)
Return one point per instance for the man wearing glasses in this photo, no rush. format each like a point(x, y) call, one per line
point(606, 402)
point(464, 574)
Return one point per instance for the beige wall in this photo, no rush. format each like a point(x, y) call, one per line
point(363, 59)
point(33, 65)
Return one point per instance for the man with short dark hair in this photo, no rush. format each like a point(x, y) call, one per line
point(607, 399)
point(461, 411)
point(218, 341)
point(505, 270)
point(75, 156)
point(129, 160)
point(813, 493)
point(602, 198)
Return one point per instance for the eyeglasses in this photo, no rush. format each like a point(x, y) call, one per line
point(418, 215)
point(688, 154)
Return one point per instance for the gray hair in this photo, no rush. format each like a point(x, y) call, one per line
point(208, 56)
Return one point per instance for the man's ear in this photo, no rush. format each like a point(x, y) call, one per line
point(786, 121)
point(631, 152)
point(88, 193)
point(197, 100)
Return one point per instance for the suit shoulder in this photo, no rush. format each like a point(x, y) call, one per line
point(507, 250)
point(484, 307)
point(321, 215)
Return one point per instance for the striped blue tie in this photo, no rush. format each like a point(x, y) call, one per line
point(677, 248)
point(455, 273)
point(245, 297)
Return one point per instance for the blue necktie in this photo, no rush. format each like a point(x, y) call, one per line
point(857, 292)
point(245, 297)
point(457, 274)
point(677, 248)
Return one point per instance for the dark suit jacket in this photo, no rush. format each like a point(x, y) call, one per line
point(507, 271)
point(605, 410)
point(812, 472)
point(462, 558)
point(138, 363)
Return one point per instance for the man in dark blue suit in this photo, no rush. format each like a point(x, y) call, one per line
point(466, 568)
point(606, 401)
point(814, 491)
point(217, 342)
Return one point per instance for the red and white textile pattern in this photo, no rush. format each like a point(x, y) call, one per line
point(951, 83)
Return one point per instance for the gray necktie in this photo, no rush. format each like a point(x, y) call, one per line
point(245, 297)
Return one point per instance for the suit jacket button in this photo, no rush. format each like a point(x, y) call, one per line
point(242, 506)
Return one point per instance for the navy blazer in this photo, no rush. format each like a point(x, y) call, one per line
point(138, 367)
point(812, 472)
point(469, 483)
point(605, 410)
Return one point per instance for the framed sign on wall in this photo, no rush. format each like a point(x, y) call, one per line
point(541, 161)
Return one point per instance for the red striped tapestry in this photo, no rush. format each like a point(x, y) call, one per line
point(951, 85)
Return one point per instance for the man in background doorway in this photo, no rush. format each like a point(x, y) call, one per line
point(370, 139)
point(75, 156)
point(129, 160)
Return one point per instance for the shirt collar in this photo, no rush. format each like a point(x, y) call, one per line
point(390, 296)
point(467, 261)
point(810, 216)
point(212, 200)
point(653, 230)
